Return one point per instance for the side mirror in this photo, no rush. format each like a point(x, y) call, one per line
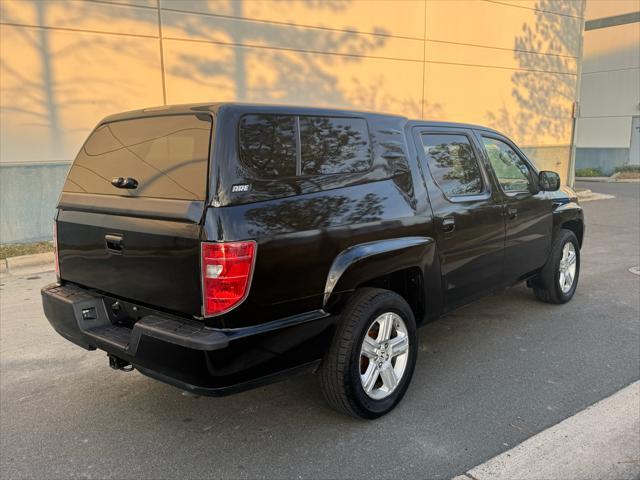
point(548, 181)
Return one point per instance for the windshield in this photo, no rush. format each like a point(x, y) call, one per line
point(167, 156)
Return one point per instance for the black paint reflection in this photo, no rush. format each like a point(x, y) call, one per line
point(314, 213)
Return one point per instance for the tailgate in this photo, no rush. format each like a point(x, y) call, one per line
point(155, 261)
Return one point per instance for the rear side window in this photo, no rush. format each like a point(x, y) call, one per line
point(453, 164)
point(280, 146)
point(268, 145)
point(167, 155)
point(334, 145)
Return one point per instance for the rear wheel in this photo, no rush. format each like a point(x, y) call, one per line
point(373, 354)
point(559, 278)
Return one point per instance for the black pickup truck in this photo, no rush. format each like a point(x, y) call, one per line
point(216, 247)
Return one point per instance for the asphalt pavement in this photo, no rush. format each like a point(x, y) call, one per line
point(489, 376)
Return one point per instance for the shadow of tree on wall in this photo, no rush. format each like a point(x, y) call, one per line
point(378, 98)
point(53, 88)
point(303, 64)
point(545, 86)
point(42, 96)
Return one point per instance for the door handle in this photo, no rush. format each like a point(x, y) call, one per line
point(113, 243)
point(448, 224)
point(512, 212)
point(121, 182)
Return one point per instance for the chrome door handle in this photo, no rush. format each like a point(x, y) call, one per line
point(512, 212)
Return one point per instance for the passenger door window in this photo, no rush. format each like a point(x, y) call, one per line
point(453, 164)
point(512, 172)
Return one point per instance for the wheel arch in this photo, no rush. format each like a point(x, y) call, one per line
point(398, 265)
point(569, 217)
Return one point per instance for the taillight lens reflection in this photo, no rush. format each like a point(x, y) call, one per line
point(226, 274)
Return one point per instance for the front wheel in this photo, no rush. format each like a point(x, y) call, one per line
point(559, 278)
point(369, 365)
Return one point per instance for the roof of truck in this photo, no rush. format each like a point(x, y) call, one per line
point(274, 108)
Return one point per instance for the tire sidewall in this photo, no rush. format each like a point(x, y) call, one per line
point(569, 237)
point(372, 408)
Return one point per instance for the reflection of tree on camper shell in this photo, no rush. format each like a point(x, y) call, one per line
point(268, 145)
point(327, 145)
point(333, 145)
point(314, 213)
point(542, 95)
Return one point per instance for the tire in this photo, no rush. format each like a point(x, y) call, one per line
point(547, 286)
point(345, 363)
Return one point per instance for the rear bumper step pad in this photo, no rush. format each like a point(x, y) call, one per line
point(69, 303)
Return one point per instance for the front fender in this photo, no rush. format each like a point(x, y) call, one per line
point(569, 215)
point(360, 263)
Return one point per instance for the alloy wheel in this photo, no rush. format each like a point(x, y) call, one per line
point(384, 355)
point(567, 267)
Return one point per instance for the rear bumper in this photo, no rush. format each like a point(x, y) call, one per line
point(185, 353)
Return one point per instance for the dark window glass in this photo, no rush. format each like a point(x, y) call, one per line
point(453, 164)
point(511, 170)
point(334, 145)
point(168, 156)
point(268, 145)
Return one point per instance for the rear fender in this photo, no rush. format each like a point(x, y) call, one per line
point(363, 262)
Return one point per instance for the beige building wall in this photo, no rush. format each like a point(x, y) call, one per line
point(507, 64)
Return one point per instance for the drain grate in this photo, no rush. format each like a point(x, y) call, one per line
point(635, 270)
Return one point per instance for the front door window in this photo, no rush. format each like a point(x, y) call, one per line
point(512, 172)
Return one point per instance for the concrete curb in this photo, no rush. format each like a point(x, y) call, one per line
point(39, 262)
point(586, 195)
point(607, 180)
point(599, 443)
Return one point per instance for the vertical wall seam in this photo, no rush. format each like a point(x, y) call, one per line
point(577, 97)
point(424, 57)
point(162, 73)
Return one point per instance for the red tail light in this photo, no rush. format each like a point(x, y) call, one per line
point(55, 249)
point(226, 274)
